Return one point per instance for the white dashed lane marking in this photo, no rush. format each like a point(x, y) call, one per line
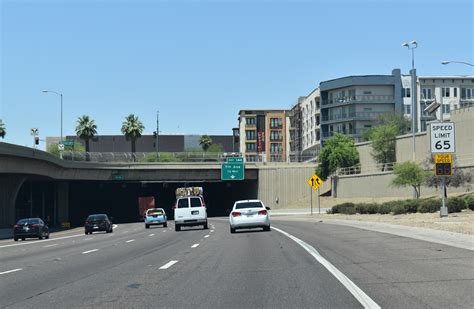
point(11, 271)
point(89, 251)
point(50, 246)
point(206, 236)
point(168, 265)
point(194, 246)
point(151, 235)
point(130, 240)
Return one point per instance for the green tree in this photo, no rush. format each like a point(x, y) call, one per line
point(216, 148)
point(338, 151)
point(383, 143)
point(398, 120)
point(409, 174)
point(205, 141)
point(132, 128)
point(86, 129)
point(77, 148)
point(3, 131)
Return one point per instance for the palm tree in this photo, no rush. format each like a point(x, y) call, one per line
point(205, 141)
point(86, 129)
point(132, 128)
point(3, 131)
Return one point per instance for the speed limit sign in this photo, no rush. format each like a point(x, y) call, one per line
point(442, 137)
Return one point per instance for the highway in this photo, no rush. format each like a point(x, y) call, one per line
point(296, 265)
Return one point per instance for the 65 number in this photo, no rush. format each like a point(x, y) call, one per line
point(444, 145)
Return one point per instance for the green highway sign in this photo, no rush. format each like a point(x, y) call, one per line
point(68, 143)
point(232, 171)
point(235, 160)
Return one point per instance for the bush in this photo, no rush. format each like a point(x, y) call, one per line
point(361, 208)
point(469, 199)
point(429, 206)
point(385, 208)
point(372, 208)
point(344, 208)
point(399, 209)
point(455, 204)
point(411, 206)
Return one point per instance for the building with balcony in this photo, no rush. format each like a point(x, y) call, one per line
point(264, 135)
point(311, 123)
point(296, 131)
point(453, 92)
point(351, 105)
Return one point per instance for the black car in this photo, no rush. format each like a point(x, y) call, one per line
point(96, 223)
point(30, 228)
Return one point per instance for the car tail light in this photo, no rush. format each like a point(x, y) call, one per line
point(262, 212)
point(236, 214)
point(16, 226)
point(103, 222)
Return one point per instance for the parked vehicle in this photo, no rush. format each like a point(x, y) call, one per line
point(249, 214)
point(97, 223)
point(30, 228)
point(155, 216)
point(190, 209)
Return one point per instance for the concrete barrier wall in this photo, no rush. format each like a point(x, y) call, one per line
point(287, 183)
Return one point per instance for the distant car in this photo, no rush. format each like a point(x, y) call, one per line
point(97, 223)
point(30, 228)
point(249, 214)
point(155, 216)
point(190, 211)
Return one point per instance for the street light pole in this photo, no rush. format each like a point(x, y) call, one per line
point(461, 62)
point(61, 96)
point(414, 115)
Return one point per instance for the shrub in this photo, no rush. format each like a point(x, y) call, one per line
point(385, 208)
point(361, 208)
point(469, 199)
point(344, 208)
point(372, 208)
point(455, 204)
point(399, 209)
point(429, 206)
point(411, 206)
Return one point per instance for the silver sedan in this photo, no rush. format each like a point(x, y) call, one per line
point(249, 214)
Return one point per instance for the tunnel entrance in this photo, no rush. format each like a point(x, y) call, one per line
point(120, 200)
point(36, 198)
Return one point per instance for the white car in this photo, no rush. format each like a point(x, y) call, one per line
point(249, 214)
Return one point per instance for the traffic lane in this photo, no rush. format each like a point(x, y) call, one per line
point(397, 272)
point(39, 251)
point(247, 269)
point(6, 241)
point(65, 282)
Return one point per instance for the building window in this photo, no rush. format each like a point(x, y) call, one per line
point(445, 92)
point(426, 94)
point(317, 120)
point(407, 108)
point(467, 93)
point(276, 123)
point(250, 121)
point(317, 104)
point(455, 92)
point(276, 148)
point(406, 92)
point(445, 108)
point(251, 134)
point(276, 136)
point(250, 146)
point(318, 136)
point(367, 92)
point(252, 158)
point(276, 158)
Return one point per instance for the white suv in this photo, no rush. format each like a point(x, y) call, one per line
point(190, 211)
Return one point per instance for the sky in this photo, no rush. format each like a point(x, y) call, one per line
point(199, 62)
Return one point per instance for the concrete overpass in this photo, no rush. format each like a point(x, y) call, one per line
point(34, 182)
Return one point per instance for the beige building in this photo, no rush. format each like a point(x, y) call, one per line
point(311, 122)
point(264, 135)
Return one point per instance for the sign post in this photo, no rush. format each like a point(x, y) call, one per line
point(314, 182)
point(443, 144)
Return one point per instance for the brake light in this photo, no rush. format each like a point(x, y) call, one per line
point(16, 225)
point(262, 212)
point(236, 214)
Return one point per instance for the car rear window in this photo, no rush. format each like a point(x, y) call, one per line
point(183, 203)
point(196, 202)
point(248, 205)
point(154, 212)
point(22, 221)
point(96, 217)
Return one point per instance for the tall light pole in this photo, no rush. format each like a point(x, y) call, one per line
point(461, 62)
point(414, 114)
point(61, 95)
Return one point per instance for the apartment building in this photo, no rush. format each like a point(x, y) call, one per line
point(296, 131)
point(264, 135)
point(351, 105)
point(311, 123)
point(452, 92)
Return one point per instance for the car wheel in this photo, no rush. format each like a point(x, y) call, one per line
point(15, 238)
point(23, 238)
point(111, 230)
point(40, 236)
point(177, 228)
point(266, 228)
point(205, 226)
point(47, 236)
point(165, 224)
point(147, 226)
point(232, 230)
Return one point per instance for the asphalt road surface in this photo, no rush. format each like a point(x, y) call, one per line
point(296, 265)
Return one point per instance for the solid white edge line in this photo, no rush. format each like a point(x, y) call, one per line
point(89, 251)
point(130, 240)
point(50, 246)
point(11, 271)
point(168, 265)
point(194, 246)
point(363, 298)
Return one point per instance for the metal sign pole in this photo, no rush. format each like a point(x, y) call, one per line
point(319, 202)
point(311, 197)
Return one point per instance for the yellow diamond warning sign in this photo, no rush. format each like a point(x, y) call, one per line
point(315, 181)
